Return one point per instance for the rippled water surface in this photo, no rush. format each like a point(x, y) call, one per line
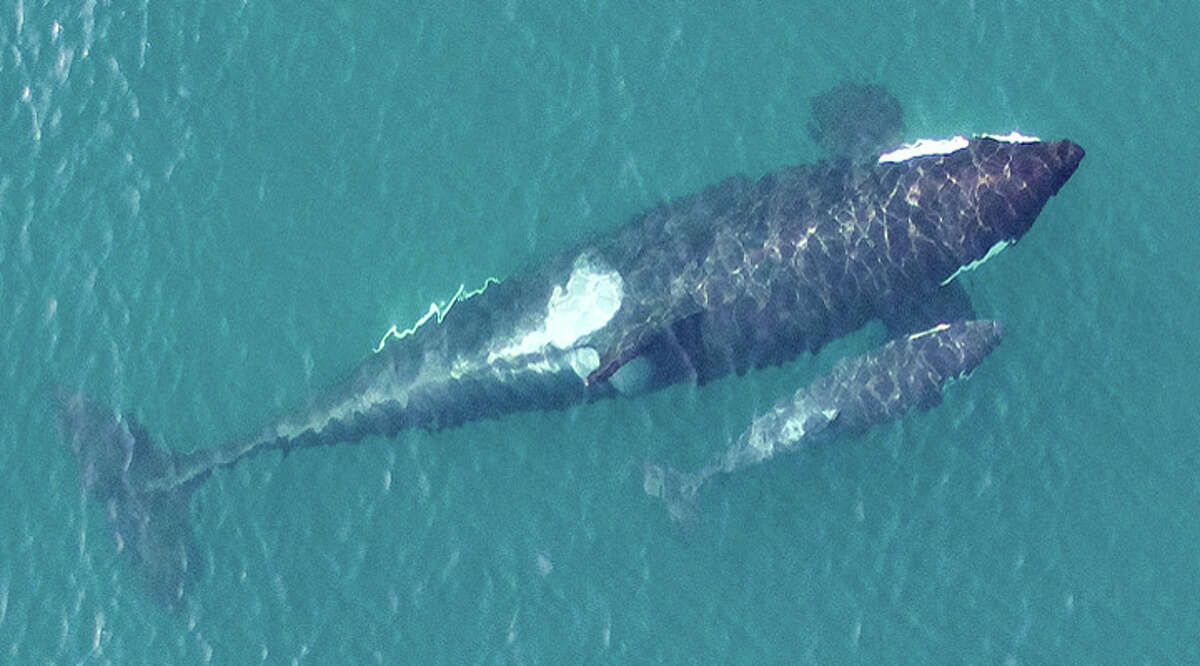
point(209, 211)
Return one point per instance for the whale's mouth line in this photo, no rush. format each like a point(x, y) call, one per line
point(992, 252)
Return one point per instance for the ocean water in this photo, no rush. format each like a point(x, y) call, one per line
point(209, 211)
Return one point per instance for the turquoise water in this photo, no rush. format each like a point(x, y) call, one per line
point(208, 211)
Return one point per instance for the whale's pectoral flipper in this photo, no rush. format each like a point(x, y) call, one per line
point(121, 467)
point(679, 490)
point(621, 352)
point(659, 354)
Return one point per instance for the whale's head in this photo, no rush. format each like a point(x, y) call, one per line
point(1012, 180)
point(975, 197)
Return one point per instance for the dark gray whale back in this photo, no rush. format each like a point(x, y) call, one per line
point(739, 275)
point(749, 274)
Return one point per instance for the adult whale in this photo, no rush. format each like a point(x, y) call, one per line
point(739, 275)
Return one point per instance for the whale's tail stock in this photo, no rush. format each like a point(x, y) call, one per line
point(127, 472)
point(679, 490)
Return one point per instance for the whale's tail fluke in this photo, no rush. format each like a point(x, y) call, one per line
point(122, 468)
point(679, 490)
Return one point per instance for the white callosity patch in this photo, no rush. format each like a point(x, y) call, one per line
point(583, 360)
point(995, 250)
point(589, 300)
point(592, 296)
point(1012, 137)
point(926, 147)
point(929, 331)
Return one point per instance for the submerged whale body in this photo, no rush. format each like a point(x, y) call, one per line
point(909, 372)
point(743, 274)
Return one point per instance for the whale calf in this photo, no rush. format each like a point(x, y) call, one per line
point(909, 372)
point(742, 274)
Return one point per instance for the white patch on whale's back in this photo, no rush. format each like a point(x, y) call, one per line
point(589, 300)
point(592, 296)
point(1012, 137)
point(926, 147)
point(583, 361)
